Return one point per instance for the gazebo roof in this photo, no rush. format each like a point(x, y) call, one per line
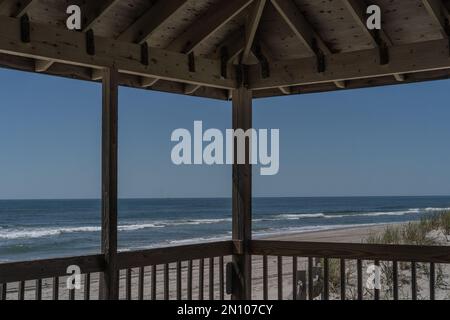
point(198, 47)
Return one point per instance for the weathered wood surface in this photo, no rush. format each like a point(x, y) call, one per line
point(49, 268)
point(351, 251)
point(69, 47)
point(242, 197)
point(134, 259)
point(109, 282)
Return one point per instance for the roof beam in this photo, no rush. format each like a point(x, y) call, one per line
point(148, 23)
point(301, 28)
point(357, 9)
point(17, 9)
point(208, 24)
point(299, 25)
point(437, 11)
point(251, 27)
point(64, 46)
point(404, 59)
point(151, 20)
point(14, 8)
point(95, 10)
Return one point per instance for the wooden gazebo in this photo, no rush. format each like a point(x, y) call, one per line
point(223, 49)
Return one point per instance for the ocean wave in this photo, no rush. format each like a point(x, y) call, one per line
point(12, 233)
point(32, 233)
point(297, 216)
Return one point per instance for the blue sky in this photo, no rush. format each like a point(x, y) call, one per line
point(381, 141)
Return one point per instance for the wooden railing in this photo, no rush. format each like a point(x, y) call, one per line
point(280, 270)
point(165, 273)
point(347, 267)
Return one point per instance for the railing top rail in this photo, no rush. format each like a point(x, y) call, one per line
point(352, 251)
point(135, 259)
point(41, 269)
point(49, 268)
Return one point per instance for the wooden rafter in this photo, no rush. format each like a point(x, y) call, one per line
point(59, 45)
point(211, 21)
point(251, 27)
point(148, 23)
point(301, 28)
point(437, 11)
point(357, 9)
point(18, 9)
point(95, 10)
point(151, 20)
point(404, 59)
point(236, 43)
point(92, 11)
point(15, 8)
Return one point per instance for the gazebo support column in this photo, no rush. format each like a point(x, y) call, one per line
point(242, 198)
point(109, 281)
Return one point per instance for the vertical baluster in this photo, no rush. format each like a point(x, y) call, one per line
point(55, 288)
point(294, 278)
point(280, 277)
point(3, 291)
point(221, 279)
point(201, 269)
point(154, 282)
point(141, 283)
point(71, 294)
point(377, 290)
point(343, 291)
point(87, 286)
point(414, 280)
point(128, 284)
point(211, 279)
point(189, 280)
point(166, 281)
point(326, 279)
point(432, 281)
point(310, 279)
point(21, 291)
point(179, 280)
point(395, 280)
point(265, 279)
point(38, 290)
point(359, 279)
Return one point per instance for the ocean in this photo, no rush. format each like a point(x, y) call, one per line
point(37, 229)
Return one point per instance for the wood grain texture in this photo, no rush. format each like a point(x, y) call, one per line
point(351, 251)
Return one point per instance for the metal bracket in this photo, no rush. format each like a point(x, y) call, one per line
point(320, 56)
point(191, 62)
point(265, 69)
point(224, 57)
point(230, 274)
point(383, 47)
point(90, 42)
point(144, 54)
point(25, 29)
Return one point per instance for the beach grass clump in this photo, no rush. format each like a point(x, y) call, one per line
point(416, 233)
point(434, 230)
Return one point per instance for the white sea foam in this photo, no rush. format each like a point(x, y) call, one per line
point(32, 233)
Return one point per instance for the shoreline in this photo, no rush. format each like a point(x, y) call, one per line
point(353, 234)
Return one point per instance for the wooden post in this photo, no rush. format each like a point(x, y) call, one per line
point(242, 198)
point(109, 282)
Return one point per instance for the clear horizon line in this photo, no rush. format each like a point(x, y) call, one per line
point(255, 197)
